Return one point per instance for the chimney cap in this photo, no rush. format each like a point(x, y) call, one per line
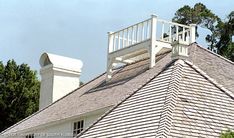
point(60, 62)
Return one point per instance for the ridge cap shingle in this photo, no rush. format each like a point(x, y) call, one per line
point(166, 116)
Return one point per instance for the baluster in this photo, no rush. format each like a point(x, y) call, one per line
point(118, 40)
point(170, 33)
point(114, 44)
point(123, 38)
point(132, 35)
point(162, 31)
point(127, 37)
point(183, 38)
point(177, 34)
point(147, 29)
point(143, 32)
point(137, 33)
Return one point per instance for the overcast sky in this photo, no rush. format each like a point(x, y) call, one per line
point(78, 28)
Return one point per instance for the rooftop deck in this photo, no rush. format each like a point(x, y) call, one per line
point(145, 39)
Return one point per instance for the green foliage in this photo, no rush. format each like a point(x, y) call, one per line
point(225, 31)
point(198, 14)
point(220, 38)
point(19, 93)
point(81, 83)
point(227, 134)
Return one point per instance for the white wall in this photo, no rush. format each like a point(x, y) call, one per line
point(65, 129)
point(62, 129)
point(46, 88)
point(56, 83)
point(64, 83)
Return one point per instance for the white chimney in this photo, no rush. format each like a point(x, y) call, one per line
point(59, 76)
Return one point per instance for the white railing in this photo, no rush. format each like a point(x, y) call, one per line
point(130, 35)
point(151, 29)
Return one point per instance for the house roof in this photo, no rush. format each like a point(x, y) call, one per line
point(99, 94)
point(182, 101)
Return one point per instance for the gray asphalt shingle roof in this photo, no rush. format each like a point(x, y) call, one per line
point(182, 101)
point(98, 94)
point(94, 95)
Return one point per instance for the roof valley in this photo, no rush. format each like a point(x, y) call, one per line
point(166, 116)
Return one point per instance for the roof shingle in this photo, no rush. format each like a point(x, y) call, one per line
point(126, 81)
point(180, 102)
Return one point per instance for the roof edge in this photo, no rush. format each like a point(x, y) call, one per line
point(229, 93)
point(1, 133)
point(229, 61)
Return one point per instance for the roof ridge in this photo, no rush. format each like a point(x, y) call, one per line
point(165, 121)
point(229, 93)
point(124, 99)
point(229, 61)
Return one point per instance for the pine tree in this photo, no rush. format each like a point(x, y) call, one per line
point(19, 93)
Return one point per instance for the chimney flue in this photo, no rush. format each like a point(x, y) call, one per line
point(59, 76)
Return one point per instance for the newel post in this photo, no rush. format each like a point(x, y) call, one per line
point(193, 33)
point(110, 42)
point(109, 58)
point(153, 40)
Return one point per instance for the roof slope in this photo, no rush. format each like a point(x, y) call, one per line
point(202, 109)
point(140, 114)
point(180, 102)
point(97, 94)
point(214, 65)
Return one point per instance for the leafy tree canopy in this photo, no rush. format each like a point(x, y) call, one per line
point(19, 93)
point(222, 32)
point(227, 134)
point(198, 14)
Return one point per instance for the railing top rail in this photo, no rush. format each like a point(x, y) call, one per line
point(173, 23)
point(131, 26)
point(158, 20)
point(150, 29)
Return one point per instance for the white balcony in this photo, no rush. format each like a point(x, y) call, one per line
point(145, 40)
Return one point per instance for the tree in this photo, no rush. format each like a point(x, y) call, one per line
point(19, 93)
point(225, 32)
point(227, 134)
point(81, 83)
point(198, 14)
point(220, 38)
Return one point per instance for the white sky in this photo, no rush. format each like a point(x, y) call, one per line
point(78, 28)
